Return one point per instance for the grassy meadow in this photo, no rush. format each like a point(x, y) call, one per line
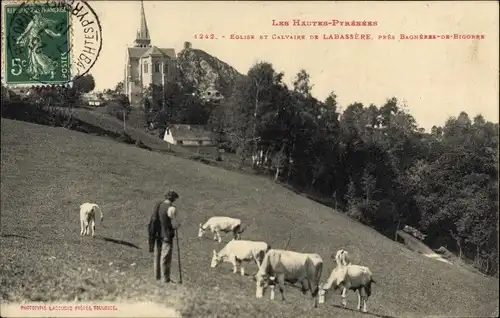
point(48, 172)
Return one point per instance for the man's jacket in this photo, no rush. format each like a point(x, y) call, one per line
point(160, 225)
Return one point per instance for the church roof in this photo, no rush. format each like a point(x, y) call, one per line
point(138, 52)
point(153, 51)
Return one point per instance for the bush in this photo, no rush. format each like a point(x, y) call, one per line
point(119, 106)
point(126, 138)
point(25, 110)
point(117, 110)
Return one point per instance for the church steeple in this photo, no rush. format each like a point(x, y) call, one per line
point(142, 38)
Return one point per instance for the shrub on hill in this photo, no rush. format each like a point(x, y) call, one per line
point(24, 109)
point(119, 107)
point(126, 138)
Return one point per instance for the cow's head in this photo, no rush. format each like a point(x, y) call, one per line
point(200, 231)
point(262, 282)
point(341, 257)
point(242, 228)
point(216, 259)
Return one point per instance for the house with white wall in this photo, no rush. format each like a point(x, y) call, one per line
point(189, 135)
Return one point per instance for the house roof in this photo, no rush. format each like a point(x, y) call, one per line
point(190, 132)
point(138, 52)
point(90, 97)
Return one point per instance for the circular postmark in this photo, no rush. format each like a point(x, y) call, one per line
point(50, 41)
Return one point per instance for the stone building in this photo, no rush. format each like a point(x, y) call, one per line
point(147, 64)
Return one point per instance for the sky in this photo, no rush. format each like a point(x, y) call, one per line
point(435, 78)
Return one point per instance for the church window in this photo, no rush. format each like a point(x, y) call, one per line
point(145, 67)
point(157, 67)
point(165, 68)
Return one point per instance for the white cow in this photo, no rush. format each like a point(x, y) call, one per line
point(217, 224)
point(280, 265)
point(354, 277)
point(87, 218)
point(237, 251)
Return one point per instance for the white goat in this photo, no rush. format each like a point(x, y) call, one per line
point(217, 224)
point(237, 251)
point(354, 277)
point(282, 265)
point(87, 218)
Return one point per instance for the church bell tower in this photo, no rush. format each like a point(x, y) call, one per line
point(142, 38)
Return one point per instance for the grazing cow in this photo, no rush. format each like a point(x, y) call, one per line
point(87, 218)
point(237, 251)
point(293, 267)
point(354, 277)
point(342, 258)
point(217, 224)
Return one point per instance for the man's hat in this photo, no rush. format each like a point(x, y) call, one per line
point(171, 195)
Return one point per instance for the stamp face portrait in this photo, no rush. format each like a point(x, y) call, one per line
point(38, 43)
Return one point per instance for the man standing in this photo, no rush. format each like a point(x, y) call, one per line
point(161, 229)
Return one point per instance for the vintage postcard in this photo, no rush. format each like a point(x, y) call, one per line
point(249, 158)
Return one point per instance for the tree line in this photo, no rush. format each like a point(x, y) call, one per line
point(372, 161)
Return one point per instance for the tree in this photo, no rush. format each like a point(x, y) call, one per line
point(372, 116)
point(153, 102)
point(302, 83)
point(84, 84)
point(237, 118)
point(119, 107)
point(369, 183)
point(119, 88)
point(455, 191)
point(444, 182)
point(250, 112)
point(387, 110)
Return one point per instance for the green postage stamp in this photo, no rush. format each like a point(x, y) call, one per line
point(37, 43)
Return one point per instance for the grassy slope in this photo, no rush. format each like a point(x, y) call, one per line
point(99, 118)
point(48, 172)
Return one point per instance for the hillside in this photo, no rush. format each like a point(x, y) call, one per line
point(99, 119)
point(205, 72)
point(48, 172)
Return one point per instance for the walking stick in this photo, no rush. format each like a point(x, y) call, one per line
point(178, 255)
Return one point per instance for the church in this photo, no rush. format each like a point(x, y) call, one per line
point(146, 64)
